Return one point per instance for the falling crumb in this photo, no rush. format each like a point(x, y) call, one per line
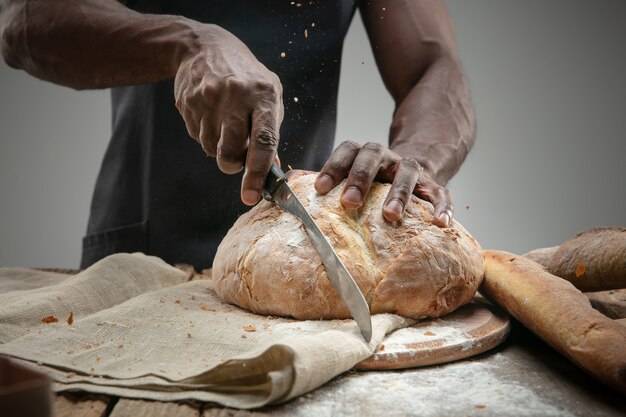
point(279, 179)
point(290, 168)
point(306, 33)
point(480, 406)
point(282, 54)
point(429, 333)
point(70, 318)
point(381, 347)
point(298, 4)
point(249, 328)
point(177, 301)
point(49, 319)
point(580, 269)
point(188, 335)
point(295, 99)
point(313, 24)
point(384, 9)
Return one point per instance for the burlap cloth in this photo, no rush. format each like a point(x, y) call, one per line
point(141, 330)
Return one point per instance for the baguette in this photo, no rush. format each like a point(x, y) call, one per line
point(594, 260)
point(558, 313)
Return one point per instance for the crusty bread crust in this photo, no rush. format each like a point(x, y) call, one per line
point(594, 260)
point(266, 263)
point(558, 313)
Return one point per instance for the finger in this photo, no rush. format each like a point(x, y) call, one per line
point(233, 143)
point(209, 134)
point(362, 174)
point(261, 151)
point(407, 175)
point(440, 198)
point(337, 167)
point(192, 122)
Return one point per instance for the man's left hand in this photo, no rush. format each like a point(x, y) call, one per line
point(361, 165)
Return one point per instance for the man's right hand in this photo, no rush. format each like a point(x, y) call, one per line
point(232, 105)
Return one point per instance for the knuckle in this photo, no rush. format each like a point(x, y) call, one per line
point(411, 164)
point(402, 190)
point(234, 84)
point(374, 147)
point(206, 90)
point(266, 139)
point(350, 145)
point(360, 174)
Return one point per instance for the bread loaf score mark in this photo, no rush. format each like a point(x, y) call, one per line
point(267, 264)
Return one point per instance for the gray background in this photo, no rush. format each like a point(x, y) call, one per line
point(548, 81)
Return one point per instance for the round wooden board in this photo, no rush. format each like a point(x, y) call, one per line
point(468, 331)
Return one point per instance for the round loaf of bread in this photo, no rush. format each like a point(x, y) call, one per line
point(266, 263)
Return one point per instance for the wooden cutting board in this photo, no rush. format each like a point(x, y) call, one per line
point(468, 331)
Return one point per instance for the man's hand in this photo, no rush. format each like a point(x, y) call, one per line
point(362, 165)
point(232, 104)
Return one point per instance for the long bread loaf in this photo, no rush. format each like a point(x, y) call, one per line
point(558, 313)
point(594, 260)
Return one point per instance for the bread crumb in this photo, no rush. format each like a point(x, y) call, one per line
point(480, 406)
point(381, 347)
point(206, 307)
point(429, 333)
point(99, 324)
point(306, 33)
point(70, 375)
point(70, 318)
point(97, 358)
point(580, 270)
point(193, 298)
point(249, 328)
point(313, 24)
point(467, 207)
point(282, 55)
point(295, 99)
point(243, 336)
point(188, 335)
point(50, 319)
point(177, 301)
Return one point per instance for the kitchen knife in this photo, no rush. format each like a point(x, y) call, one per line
point(277, 190)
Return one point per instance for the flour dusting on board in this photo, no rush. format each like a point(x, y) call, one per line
point(466, 388)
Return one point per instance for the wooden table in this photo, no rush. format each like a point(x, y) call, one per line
point(522, 377)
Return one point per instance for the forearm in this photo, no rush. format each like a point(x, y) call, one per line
point(434, 123)
point(92, 43)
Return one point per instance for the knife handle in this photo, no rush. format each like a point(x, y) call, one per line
point(274, 178)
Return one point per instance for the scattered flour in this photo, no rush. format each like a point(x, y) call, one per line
point(466, 388)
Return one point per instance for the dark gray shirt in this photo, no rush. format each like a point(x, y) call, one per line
point(157, 192)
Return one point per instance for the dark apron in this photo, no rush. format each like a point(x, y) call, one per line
point(157, 192)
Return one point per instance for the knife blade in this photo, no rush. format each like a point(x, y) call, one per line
point(277, 190)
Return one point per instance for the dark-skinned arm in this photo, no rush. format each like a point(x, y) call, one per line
point(433, 125)
point(231, 103)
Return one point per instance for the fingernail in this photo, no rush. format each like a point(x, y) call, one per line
point(351, 197)
point(393, 209)
point(444, 220)
point(323, 184)
point(250, 197)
